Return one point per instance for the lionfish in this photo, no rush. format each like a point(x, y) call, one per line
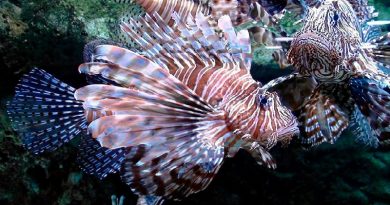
point(166, 120)
point(336, 82)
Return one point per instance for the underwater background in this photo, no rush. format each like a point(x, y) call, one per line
point(51, 34)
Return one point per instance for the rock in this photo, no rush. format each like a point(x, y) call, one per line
point(10, 20)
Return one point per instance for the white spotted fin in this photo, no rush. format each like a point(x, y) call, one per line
point(44, 112)
point(362, 130)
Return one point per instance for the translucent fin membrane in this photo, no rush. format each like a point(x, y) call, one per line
point(97, 160)
point(44, 112)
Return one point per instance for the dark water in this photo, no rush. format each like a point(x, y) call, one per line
point(51, 34)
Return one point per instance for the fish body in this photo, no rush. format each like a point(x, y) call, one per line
point(167, 119)
point(212, 71)
point(345, 80)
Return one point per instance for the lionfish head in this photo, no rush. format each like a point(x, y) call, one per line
point(331, 34)
point(310, 53)
point(278, 122)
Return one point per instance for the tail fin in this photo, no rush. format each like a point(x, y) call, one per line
point(44, 112)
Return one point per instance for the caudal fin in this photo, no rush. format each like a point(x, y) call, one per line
point(44, 112)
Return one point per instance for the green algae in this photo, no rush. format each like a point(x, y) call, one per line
point(10, 19)
point(94, 15)
point(290, 23)
point(262, 56)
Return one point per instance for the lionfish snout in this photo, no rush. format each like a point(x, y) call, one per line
point(282, 123)
point(311, 54)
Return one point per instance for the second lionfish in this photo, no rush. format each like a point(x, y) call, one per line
point(338, 82)
point(167, 120)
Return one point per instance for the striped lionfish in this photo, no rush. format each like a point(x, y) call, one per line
point(166, 120)
point(342, 83)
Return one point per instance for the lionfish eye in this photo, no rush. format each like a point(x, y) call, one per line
point(335, 18)
point(264, 101)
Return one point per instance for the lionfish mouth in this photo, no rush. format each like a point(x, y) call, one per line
point(283, 134)
point(289, 130)
point(285, 124)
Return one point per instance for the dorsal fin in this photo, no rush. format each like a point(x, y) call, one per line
point(198, 39)
point(204, 59)
point(237, 10)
